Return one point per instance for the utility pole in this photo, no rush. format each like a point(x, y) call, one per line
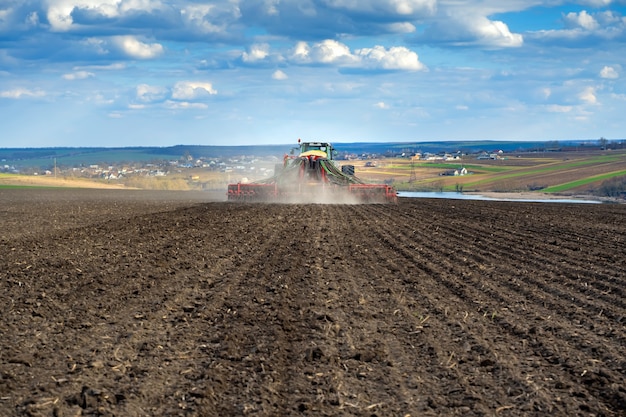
point(413, 176)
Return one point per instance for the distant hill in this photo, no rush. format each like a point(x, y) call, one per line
point(46, 158)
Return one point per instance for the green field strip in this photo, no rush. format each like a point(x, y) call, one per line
point(553, 167)
point(584, 181)
point(4, 175)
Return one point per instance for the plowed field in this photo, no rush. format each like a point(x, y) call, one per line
point(133, 304)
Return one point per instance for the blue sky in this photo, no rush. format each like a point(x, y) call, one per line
point(239, 72)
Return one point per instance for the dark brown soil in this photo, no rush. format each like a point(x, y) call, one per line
point(118, 303)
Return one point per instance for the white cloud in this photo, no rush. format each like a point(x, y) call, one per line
point(495, 34)
point(279, 75)
point(184, 105)
point(581, 20)
point(609, 72)
point(462, 27)
point(195, 16)
point(331, 51)
point(588, 95)
point(328, 51)
point(136, 49)
point(382, 105)
point(32, 20)
point(78, 75)
point(60, 18)
point(110, 67)
point(258, 52)
point(211, 18)
point(605, 25)
point(59, 12)
point(608, 17)
point(394, 58)
point(302, 52)
point(149, 93)
point(336, 53)
point(144, 5)
point(190, 90)
point(18, 93)
point(394, 7)
point(401, 27)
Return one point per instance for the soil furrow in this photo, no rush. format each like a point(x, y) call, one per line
point(461, 292)
point(163, 306)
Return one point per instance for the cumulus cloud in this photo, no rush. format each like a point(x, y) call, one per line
point(60, 13)
point(471, 30)
point(581, 20)
point(134, 48)
point(394, 58)
point(257, 52)
point(196, 15)
point(190, 90)
point(593, 27)
point(332, 52)
point(213, 18)
point(609, 72)
point(496, 33)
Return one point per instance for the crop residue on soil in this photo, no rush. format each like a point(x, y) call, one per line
point(142, 304)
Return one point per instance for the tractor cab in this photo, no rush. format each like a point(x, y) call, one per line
point(316, 149)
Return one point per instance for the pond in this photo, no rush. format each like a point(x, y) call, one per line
point(463, 196)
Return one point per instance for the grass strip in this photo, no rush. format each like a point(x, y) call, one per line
point(583, 181)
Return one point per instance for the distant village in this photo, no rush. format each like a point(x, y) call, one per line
point(258, 166)
point(261, 166)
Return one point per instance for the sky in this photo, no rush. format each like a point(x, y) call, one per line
point(241, 72)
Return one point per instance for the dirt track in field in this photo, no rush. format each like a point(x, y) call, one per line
point(131, 304)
